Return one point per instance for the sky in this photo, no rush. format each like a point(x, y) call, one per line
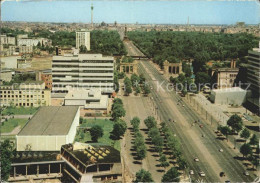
point(143, 12)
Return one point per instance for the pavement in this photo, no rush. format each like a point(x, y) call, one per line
point(137, 106)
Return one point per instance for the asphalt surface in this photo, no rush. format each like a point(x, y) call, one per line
point(206, 148)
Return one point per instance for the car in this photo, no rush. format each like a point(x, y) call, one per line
point(202, 174)
point(220, 150)
point(222, 174)
point(182, 105)
point(246, 173)
point(191, 172)
point(196, 159)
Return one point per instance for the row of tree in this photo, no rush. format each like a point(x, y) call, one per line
point(119, 127)
point(139, 144)
point(235, 125)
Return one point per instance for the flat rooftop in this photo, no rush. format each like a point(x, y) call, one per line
point(81, 57)
point(225, 90)
point(50, 120)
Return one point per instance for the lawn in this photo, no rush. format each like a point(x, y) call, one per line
point(9, 125)
point(107, 126)
point(19, 110)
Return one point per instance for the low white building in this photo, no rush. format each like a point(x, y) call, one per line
point(88, 99)
point(228, 96)
point(49, 129)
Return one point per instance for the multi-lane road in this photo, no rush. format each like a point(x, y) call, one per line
point(196, 142)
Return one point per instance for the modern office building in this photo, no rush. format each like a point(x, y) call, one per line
point(83, 39)
point(49, 129)
point(82, 71)
point(27, 94)
point(253, 78)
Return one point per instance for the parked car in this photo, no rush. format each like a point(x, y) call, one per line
point(191, 172)
point(220, 150)
point(202, 174)
point(246, 173)
point(196, 159)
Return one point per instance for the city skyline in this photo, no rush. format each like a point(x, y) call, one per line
point(148, 12)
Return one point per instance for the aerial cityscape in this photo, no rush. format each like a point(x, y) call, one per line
point(130, 91)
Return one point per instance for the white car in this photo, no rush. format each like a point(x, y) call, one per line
point(202, 174)
point(220, 150)
point(191, 172)
point(196, 159)
point(246, 173)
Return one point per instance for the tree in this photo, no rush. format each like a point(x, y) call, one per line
point(141, 151)
point(82, 49)
point(158, 143)
point(142, 79)
point(118, 101)
point(118, 111)
point(138, 90)
point(245, 133)
point(225, 130)
point(143, 176)
point(135, 80)
point(163, 161)
point(254, 140)
point(6, 152)
point(254, 161)
point(135, 122)
point(150, 122)
point(96, 132)
point(171, 175)
point(246, 150)
point(153, 132)
point(119, 129)
point(235, 122)
point(201, 78)
point(147, 89)
point(182, 163)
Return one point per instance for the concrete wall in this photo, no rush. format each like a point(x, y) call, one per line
point(40, 143)
point(80, 102)
point(73, 129)
point(228, 98)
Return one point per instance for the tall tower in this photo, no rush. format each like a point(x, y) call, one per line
point(188, 21)
point(92, 8)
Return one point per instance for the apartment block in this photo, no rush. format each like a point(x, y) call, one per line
point(83, 39)
point(83, 71)
point(7, 40)
point(27, 42)
point(46, 77)
point(25, 94)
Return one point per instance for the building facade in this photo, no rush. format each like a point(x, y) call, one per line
point(225, 77)
point(83, 39)
point(7, 40)
point(46, 77)
point(253, 71)
point(28, 42)
point(49, 129)
point(82, 71)
point(26, 95)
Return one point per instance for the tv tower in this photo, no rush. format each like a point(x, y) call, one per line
point(92, 8)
